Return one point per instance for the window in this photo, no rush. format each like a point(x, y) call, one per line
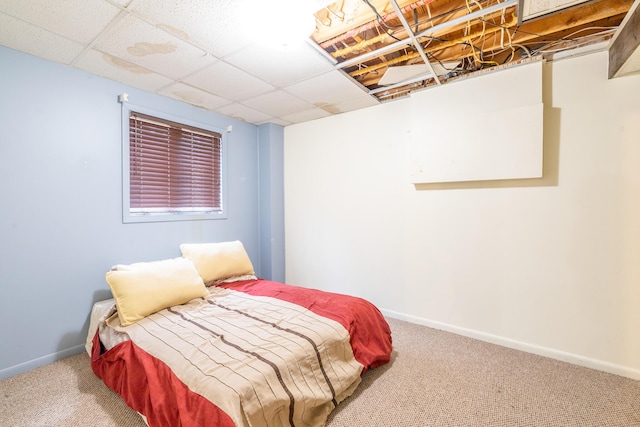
point(173, 170)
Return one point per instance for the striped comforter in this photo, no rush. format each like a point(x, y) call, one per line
point(253, 353)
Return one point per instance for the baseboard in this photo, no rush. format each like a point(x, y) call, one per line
point(574, 359)
point(482, 336)
point(40, 361)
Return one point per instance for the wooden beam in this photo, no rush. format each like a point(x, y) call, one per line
point(345, 15)
point(624, 52)
point(560, 23)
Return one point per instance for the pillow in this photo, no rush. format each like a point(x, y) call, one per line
point(218, 261)
point(143, 288)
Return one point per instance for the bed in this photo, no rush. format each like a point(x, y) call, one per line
point(244, 352)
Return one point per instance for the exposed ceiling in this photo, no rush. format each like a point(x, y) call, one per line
point(361, 53)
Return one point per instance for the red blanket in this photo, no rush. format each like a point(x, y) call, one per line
point(370, 333)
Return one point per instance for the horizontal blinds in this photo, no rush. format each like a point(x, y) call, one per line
point(173, 167)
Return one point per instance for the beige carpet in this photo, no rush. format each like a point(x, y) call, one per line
point(435, 379)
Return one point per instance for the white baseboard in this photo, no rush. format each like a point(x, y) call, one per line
point(40, 361)
point(574, 359)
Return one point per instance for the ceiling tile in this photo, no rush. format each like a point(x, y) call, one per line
point(278, 103)
point(228, 82)
point(28, 38)
point(242, 112)
point(194, 96)
point(199, 22)
point(141, 43)
point(328, 88)
point(209, 53)
point(105, 65)
point(278, 66)
point(79, 20)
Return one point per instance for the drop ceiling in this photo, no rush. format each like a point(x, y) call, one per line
point(360, 54)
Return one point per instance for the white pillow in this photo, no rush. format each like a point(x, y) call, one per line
point(218, 261)
point(143, 288)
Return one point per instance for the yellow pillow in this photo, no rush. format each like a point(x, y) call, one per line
point(146, 287)
point(217, 261)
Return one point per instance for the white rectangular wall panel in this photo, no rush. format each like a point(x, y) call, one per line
point(503, 144)
point(483, 128)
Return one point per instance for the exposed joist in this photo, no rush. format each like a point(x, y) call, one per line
point(561, 22)
point(482, 34)
point(449, 23)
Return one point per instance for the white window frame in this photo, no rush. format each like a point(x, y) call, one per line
point(136, 217)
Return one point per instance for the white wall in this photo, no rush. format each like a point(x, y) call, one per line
point(550, 266)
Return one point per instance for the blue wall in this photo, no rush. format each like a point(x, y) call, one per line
point(271, 148)
point(61, 217)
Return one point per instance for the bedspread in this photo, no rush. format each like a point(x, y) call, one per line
point(252, 353)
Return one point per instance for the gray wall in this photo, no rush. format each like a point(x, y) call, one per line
point(61, 218)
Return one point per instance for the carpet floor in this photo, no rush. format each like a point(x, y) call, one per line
point(435, 379)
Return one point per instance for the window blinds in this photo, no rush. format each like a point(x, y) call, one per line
point(173, 167)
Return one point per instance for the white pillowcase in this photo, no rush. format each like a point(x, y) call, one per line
point(218, 261)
